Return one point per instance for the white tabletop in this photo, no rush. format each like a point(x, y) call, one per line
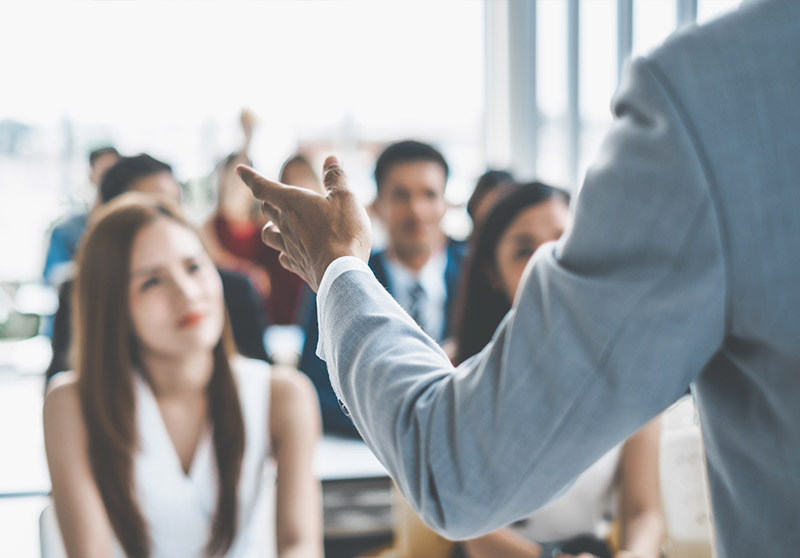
point(346, 459)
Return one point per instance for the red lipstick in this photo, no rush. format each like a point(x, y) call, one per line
point(191, 319)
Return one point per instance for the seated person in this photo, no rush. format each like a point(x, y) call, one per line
point(66, 234)
point(579, 520)
point(233, 231)
point(419, 267)
point(233, 235)
point(490, 187)
point(297, 171)
point(159, 443)
point(143, 173)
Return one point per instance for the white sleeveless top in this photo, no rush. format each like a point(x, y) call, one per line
point(587, 507)
point(179, 508)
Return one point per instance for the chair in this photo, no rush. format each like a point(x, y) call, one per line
point(50, 535)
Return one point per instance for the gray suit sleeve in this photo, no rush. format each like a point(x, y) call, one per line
point(609, 327)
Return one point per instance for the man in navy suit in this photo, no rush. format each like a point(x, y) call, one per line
point(419, 267)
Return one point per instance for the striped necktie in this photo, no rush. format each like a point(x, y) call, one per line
point(416, 305)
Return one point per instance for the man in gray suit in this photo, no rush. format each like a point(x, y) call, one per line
point(682, 267)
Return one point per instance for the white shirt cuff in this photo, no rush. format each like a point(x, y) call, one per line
point(335, 269)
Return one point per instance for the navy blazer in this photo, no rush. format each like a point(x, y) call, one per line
point(333, 419)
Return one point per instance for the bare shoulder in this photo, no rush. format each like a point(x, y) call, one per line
point(293, 402)
point(287, 381)
point(62, 409)
point(62, 393)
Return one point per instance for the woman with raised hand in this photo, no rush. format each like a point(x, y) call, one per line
point(233, 236)
point(162, 441)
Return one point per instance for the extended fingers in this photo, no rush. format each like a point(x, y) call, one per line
point(269, 212)
point(273, 193)
point(333, 176)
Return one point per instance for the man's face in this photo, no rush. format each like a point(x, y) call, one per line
point(411, 204)
point(101, 166)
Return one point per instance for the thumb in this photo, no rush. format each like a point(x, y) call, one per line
point(333, 176)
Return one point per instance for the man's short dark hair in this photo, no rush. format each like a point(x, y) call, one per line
point(128, 170)
point(95, 154)
point(407, 152)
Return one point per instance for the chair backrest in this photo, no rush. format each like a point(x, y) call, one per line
point(50, 535)
point(684, 485)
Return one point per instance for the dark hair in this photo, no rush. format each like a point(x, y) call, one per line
point(95, 154)
point(296, 159)
point(128, 170)
point(106, 352)
point(488, 181)
point(481, 306)
point(407, 152)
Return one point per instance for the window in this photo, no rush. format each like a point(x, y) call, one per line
point(579, 46)
point(171, 78)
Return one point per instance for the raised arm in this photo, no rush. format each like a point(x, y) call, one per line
point(81, 514)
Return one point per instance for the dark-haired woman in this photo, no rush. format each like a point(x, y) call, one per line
point(580, 519)
point(162, 442)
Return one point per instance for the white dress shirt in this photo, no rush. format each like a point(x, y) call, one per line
point(431, 279)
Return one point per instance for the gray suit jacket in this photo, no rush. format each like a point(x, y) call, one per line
point(682, 265)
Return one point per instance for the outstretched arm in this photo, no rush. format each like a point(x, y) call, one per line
point(610, 325)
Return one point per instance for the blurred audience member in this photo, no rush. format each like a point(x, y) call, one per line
point(233, 234)
point(159, 442)
point(297, 171)
point(525, 218)
point(491, 185)
point(230, 231)
point(140, 173)
point(66, 234)
point(579, 520)
point(419, 267)
point(233, 231)
point(148, 175)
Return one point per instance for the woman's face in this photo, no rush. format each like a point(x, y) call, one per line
point(297, 174)
point(236, 202)
point(175, 293)
point(530, 229)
